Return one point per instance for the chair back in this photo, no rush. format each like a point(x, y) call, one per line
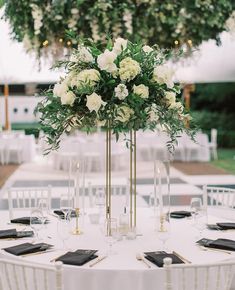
point(20, 199)
point(216, 276)
point(21, 275)
point(219, 196)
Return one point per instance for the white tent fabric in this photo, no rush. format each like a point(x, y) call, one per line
point(16, 66)
point(209, 64)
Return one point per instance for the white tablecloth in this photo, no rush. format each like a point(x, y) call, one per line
point(123, 271)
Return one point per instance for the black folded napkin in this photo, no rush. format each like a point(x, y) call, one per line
point(179, 214)
point(61, 214)
point(78, 258)
point(27, 248)
point(222, 244)
point(11, 233)
point(226, 226)
point(158, 257)
point(25, 220)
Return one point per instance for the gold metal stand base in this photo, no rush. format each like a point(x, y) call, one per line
point(77, 232)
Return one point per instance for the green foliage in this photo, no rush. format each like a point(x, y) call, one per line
point(162, 22)
point(69, 104)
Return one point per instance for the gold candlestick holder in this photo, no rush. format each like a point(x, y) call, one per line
point(77, 230)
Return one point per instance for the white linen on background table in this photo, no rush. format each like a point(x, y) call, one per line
point(123, 271)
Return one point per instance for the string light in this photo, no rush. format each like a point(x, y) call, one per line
point(190, 43)
point(61, 40)
point(45, 43)
point(69, 43)
point(176, 42)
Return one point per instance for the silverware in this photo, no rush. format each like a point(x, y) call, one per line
point(97, 261)
point(139, 257)
point(214, 249)
point(38, 253)
point(181, 257)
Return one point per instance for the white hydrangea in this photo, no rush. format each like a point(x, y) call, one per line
point(60, 89)
point(147, 49)
point(163, 75)
point(81, 55)
point(88, 77)
point(119, 45)
point(124, 113)
point(141, 90)
point(68, 98)
point(230, 24)
point(178, 106)
point(94, 102)
point(129, 69)
point(121, 92)
point(170, 99)
point(106, 60)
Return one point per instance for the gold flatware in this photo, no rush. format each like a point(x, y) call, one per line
point(181, 257)
point(97, 261)
point(214, 249)
point(139, 257)
point(37, 253)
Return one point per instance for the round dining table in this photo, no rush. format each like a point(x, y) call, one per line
point(122, 270)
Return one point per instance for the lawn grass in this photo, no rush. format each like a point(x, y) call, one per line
point(225, 160)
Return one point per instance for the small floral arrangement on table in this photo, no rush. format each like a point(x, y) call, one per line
point(125, 87)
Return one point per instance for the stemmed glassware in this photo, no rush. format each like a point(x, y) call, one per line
point(199, 215)
point(109, 231)
point(64, 227)
point(36, 221)
point(66, 205)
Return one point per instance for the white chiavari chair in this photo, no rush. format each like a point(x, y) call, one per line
point(21, 275)
point(219, 196)
point(216, 276)
point(20, 199)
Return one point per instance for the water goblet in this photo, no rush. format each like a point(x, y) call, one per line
point(109, 231)
point(64, 228)
point(66, 205)
point(195, 207)
point(36, 221)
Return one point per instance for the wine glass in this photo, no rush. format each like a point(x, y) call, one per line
point(63, 228)
point(163, 229)
point(109, 231)
point(195, 207)
point(100, 200)
point(44, 207)
point(65, 205)
point(36, 221)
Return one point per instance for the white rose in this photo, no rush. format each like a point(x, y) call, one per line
point(141, 90)
point(163, 75)
point(68, 98)
point(94, 102)
point(60, 89)
point(129, 69)
point(124, 113)
point(119, 45)
point(106, 61)
point(121, 92)
point(170, 98)
point(147, 49)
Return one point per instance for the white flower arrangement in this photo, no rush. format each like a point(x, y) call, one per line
point(126, 86)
